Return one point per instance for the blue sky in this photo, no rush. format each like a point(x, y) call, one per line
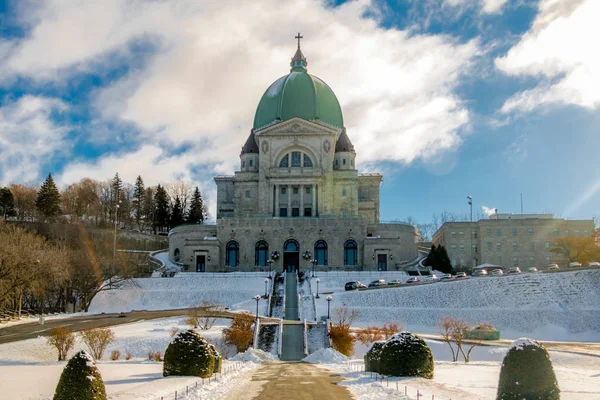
point(447, 98)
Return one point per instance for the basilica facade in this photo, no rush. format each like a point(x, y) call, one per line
point(297, 201)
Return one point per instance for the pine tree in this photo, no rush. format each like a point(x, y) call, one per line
point(149, 206)
point(48, 199)
point(177, 213)
point(138, 201)
point(161, 208)
point(443, 260)
point(7, 203)
point(197, 213)
point(116, 188)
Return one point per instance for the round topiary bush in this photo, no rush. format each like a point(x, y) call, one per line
point(80, 380)
point(373, 356)
point(218, 359)
point(527, 373)
point(188, 355)
point(405, 354)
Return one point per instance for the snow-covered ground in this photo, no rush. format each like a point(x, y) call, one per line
point(186, 290)
point(562, 306)
point(577, 375)
point(306, 305)
point(28, 369)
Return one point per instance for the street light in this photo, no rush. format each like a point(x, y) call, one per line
point(257, 298)
point(269, 262)
point(318, 280)
point(266, 283)
point(328, 298)
point(314, 264)
point(470, 201)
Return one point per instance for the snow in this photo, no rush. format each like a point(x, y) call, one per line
point(29, 370)
point(28, 319)
point(562, 306)
point(182, 291)
point(306, 308)
point(255, 355)
point(325, 356)
point(521, 343)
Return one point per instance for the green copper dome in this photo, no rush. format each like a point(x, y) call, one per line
point(298, 94)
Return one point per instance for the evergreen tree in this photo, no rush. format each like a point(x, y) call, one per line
point(197, 213)
point(116, 190)
point(149, 207)
point(161, 208)
point(438, 259)
point(48, 199)
point(431, 259)
point(139, 194)
point(177, 213)
point(7, 203)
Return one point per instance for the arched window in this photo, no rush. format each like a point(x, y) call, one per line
point(296, 159)
point(176, 255)
point(261, 254)
point(232, 254)
point(291, 245)
point(321, 252)
point(350, 253)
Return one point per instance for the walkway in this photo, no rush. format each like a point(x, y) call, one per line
point(292, 346)
point(290, 381)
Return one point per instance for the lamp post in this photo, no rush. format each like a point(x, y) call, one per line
point(470, 201)
point(269, 262)
point(328, 298)
point(257, 298)
point(314, 264)
point(318, 280)
point(266, 283)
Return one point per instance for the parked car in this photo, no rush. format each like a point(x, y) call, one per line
point(594, 264)
point(460, 275)
point(532, 269)
point(497, 272)
point(377, 283)
point(575, 265)
point(414, 279)
point(481, 272)
point(431, 278)
point(553, 266)
point(360, 285)
point(395, 282)
point(351, 286)
point(513, 270)
point(445, 277)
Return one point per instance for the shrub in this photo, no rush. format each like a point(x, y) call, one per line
point(188, 355)
point(97, 339)
point(128, 356)
point(390, 328)
point(240, 333)
point(405, 354)
point(154, 356)
point(63, 339)
point(527, 373)
point(80, 380)
point(374, 334)
point(217, 357)
point(342, 340)
point(373, 357)
point(115, 355)
point(174, 331)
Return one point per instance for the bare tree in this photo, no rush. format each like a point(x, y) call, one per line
point(455, 330)
point(446, 325)
point(24, 199)
point(411, 221)
point(181, 189)
point(425, 232)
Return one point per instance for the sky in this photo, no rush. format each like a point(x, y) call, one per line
point(495, 99)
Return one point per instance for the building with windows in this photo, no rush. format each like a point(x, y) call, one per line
point(297, 198)
point(508, 240)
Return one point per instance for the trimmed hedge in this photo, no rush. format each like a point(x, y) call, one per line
point(218, 359)
point(188, 354)
point(527, 373)
point(373, 356)
point(80, 380)
point(405, 354)
point(482, 334)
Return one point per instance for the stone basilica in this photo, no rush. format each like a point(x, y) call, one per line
point(297, 201)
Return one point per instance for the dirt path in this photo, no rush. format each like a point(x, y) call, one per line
point(290, 381)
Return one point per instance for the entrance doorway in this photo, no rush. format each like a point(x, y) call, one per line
point(291, 256)
point(200, 263)
point(381, 262)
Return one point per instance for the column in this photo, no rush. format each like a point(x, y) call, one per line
point(276, 205)
point(314, 199)
point(289, 196)
point(301, 189)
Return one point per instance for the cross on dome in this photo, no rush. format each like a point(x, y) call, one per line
point(298, 61)
point(298, 37)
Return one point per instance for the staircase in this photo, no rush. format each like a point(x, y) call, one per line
point(292, 348)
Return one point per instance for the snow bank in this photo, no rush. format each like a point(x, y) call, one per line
point(325, 356)
point(255, 355)
point(181, 292)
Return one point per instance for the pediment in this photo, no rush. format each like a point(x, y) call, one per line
point(298, 126)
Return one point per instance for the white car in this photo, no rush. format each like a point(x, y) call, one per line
point(553, 266)
point(431, 278)
point(574, 265)
point(497, 272)
point(594, 264)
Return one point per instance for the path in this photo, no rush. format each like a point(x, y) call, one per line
point(290, 381)
point(292, 346)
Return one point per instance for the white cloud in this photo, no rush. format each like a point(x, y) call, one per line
point(559, 49)
point(28, 137)
point(213, 61)
point(488, 211)
point(487, 6)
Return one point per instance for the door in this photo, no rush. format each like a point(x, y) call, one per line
point(381, 262)
point(200, 263)
point(291, 261)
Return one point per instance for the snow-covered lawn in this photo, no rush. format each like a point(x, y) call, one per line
point(577, 376)
point(28, 369)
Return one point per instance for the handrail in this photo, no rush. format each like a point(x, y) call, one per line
point(305, 338)
point(256, 329)
point(280, 339)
